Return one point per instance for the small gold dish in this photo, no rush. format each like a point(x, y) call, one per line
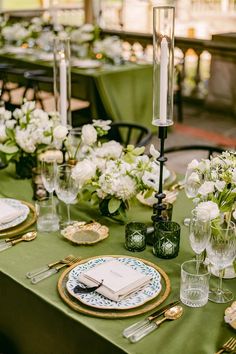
point(84, 233)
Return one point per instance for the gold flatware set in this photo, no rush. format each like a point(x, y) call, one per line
point(228, 347)
point(52, 268)
point(139, 330)
point(9, 242)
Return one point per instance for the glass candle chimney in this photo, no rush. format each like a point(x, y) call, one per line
point(163, 64)
point(62, 79)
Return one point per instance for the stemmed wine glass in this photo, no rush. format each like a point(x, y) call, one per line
point(191, 190)
point(200, 231)
point(48, 173)
point(221, 252)
point(66, 188)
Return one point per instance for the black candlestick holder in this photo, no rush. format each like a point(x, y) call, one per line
point(160, 206)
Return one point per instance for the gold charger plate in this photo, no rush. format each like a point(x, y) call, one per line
point(30, 220)
point(86, 310)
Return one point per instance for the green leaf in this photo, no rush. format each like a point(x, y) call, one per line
point(138, 151)
point(113, 205)
point(10, 133)
point(8, 149)
point(148, 193)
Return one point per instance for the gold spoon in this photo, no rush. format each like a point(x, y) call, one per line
point(171, 314)
point(29, 236)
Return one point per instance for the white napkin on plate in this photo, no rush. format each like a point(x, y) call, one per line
point(8, 213)
point(118, 280)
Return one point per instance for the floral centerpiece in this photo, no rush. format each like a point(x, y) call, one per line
point(108, 49)
point(27, 132)
point(212, 185)
point(111, 175)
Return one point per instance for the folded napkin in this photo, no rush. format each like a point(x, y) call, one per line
point(118, 280)
point(8, 213)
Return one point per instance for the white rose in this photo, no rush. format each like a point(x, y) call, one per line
point(220, 185)
point(234, 214)
point(60, 132)
point(207, 210)
point(89, 134)
point(193, 164)
point(28, 106)
point(18, 113)
point(234, 175)
point(84, 171)
point(193, 178)
point(3, 135)
point(10, 123)
point(206, 188)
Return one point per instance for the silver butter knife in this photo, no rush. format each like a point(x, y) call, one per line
point(129, 331)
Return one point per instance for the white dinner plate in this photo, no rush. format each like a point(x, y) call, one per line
point(99, 301)
point(19, 206)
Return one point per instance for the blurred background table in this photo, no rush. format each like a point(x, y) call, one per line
point(117, 92)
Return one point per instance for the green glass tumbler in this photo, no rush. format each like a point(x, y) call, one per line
point(135, 236)
point(166, 239)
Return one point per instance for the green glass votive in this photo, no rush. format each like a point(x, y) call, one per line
point(166, 215)
point(135, 236)
point(166, 239)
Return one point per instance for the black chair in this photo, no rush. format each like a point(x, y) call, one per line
point(129, 133)
point(208, 148)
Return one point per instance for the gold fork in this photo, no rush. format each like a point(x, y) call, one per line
point(35, 272)
point(54, 270)
point(228, 347)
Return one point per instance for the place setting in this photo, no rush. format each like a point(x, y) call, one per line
point(16, 217)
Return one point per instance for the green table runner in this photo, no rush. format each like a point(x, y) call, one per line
point(38, 322)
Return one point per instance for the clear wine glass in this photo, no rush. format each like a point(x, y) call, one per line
point(221, 252)
point(66, 188)
point(199, 232)
point(48, 174)
point(190, 185)
point(73, 143)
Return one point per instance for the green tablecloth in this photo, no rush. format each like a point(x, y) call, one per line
point(121, 92)
point(38, 322)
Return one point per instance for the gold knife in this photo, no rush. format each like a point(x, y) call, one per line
point(129, 331)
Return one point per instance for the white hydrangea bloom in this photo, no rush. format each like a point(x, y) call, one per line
point(112, 149)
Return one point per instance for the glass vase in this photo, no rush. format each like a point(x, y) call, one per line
point(163, 65)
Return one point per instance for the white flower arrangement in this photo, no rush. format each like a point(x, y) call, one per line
point(29, 131)
point(109, 174)
point(214, 184)
point(109, 47)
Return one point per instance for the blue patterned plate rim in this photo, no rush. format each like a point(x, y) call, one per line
point(101, 302)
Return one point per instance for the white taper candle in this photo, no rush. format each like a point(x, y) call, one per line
point(163, 80)
point(63, 91)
